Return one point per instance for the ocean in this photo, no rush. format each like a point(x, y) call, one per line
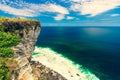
point(80, 53)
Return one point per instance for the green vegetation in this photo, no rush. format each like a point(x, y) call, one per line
point(7, 65)
point(6, 52)
point(5, 73)
point(3, 19)
point(1, 27)
point(7, 40)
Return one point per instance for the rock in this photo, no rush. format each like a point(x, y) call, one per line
point(28, 31)
point(41, 72)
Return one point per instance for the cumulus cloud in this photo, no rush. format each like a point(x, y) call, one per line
point(30, 10)
point(17, 12)
point(94, 7)
point(59, 17)
point(49, 8)
point(83, 7)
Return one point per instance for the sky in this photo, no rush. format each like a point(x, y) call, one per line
point(65, 12)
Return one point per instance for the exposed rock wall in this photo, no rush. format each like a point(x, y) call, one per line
point(28, 31)
point(27, 69)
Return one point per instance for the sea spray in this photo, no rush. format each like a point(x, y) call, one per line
point(62, 65)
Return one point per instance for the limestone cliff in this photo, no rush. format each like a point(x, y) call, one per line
point(28, 31)
point(27, 69)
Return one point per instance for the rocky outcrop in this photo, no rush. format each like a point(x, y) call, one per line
point(41, 72)
point(28, 31)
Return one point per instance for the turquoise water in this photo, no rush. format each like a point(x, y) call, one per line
point(96, 49)
point(61, 64)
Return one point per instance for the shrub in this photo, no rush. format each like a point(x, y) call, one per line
point(6, 52)
point(8, 40)
point(5, 73)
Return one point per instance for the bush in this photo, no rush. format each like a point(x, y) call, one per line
point(5, 73)
point(8, 40)
point(6, 52)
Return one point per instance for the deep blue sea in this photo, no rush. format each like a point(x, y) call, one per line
point(96, 49)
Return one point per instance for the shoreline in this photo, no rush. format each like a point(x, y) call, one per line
point(62, 65)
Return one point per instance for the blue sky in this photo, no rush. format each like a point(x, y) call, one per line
point(65, 12)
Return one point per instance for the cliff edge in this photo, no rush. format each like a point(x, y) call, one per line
point(28, 31)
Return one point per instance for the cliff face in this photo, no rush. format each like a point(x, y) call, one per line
point(28, 31)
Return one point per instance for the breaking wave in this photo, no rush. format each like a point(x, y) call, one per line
point(62, 65)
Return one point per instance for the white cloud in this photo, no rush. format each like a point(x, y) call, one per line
point(49, 8)
point(18, 12)
point(94, 7)
point(114, 15)
point(70, 17)
point(84, 7)
point(30, 10)
point(59, 17)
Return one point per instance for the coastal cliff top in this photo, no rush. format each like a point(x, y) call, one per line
point(12, 32)
point(13, 24)
point(6, 19)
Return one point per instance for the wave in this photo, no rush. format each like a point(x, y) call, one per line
point(62, 65)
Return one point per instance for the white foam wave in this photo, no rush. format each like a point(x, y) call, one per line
point(62, 65)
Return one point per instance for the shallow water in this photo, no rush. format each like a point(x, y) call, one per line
point(96, 49)
point(62, 65)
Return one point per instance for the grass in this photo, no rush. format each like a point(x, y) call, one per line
point(6, 19)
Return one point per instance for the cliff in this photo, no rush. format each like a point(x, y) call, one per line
point(28, 31)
